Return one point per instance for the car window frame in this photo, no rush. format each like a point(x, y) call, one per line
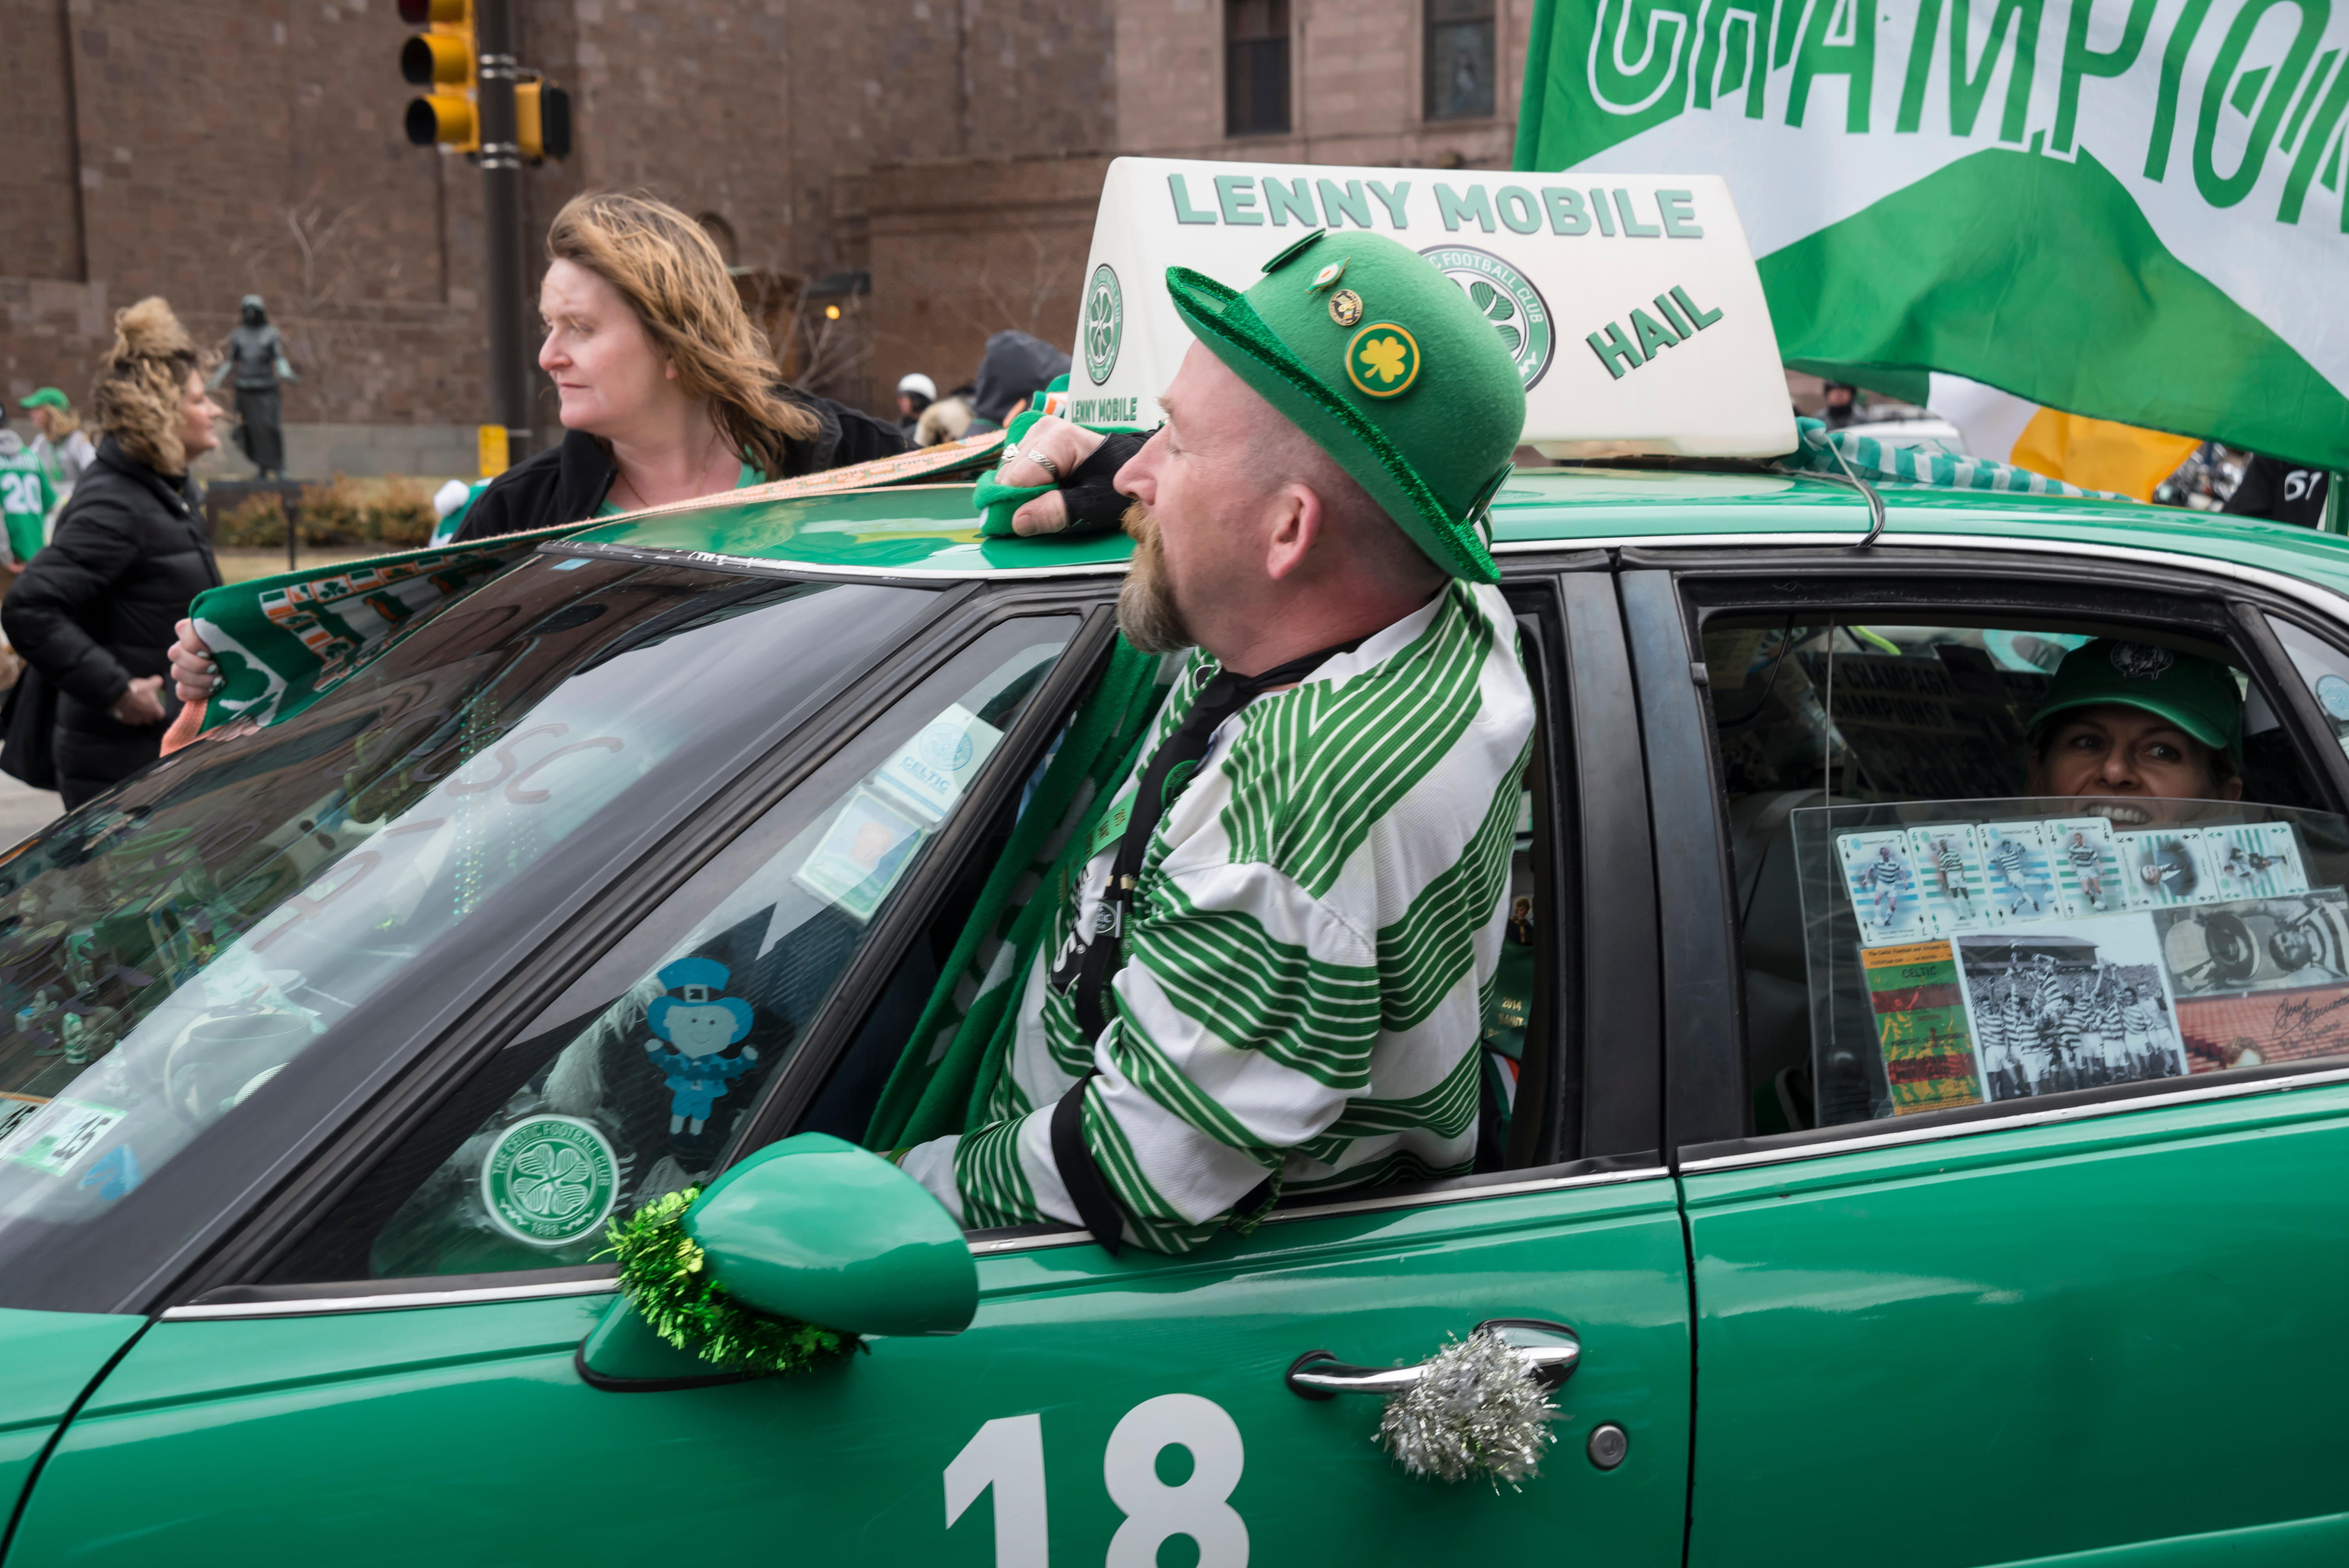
point(1602, 972)
point(340, 1155)
point(1715, 1045)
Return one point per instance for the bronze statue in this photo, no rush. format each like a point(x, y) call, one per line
point(256, 355)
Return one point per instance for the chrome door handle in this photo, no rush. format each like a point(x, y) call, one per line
point(1549, 1350)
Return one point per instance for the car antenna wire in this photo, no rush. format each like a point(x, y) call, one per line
point(1875, 505)
point(1827, 726)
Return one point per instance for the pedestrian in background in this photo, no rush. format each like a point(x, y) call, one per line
point(61, 444)
point(2282, 491)
point(947, 419)
point(915, 392)
point(27, 496)
point(93, 613)
point(1015, 367)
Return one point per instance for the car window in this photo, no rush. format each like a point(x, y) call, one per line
point(634, 1081)
point(917, 1023)
point(1922, 714)
point(1988, 950)
point(179, 957)
point(2324, 667)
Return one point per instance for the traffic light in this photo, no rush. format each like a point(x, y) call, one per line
point(443, 60)
point(541, 121)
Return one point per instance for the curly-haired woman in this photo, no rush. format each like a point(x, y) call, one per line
point(93, 613)
point(668, 389)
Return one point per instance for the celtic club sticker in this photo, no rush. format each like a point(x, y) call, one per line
point(550, 1179)
point(1506, 298)
point(1104, 323)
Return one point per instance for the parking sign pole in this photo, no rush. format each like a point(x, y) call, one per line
point(502, 219)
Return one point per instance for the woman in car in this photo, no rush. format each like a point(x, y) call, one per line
point(94, 611)
point(2125, 719)
point(668, 389)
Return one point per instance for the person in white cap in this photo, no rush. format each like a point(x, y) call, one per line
point(915, 392)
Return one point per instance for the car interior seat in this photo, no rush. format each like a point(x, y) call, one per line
point(1777, 979)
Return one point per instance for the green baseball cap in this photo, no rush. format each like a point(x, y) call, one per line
point(1384, 363)
point(46, 397)
point(2198, 694)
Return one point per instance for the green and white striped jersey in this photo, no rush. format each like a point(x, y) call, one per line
point(1318, 916)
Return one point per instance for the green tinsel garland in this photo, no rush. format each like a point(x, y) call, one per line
point(661, 1270)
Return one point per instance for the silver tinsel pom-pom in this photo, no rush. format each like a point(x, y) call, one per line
point(1477, 1408)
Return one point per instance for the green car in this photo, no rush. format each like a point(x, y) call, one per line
point(1937, 1215)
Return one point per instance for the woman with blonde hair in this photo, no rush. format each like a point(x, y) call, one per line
point(668, 389)
point(93, 613)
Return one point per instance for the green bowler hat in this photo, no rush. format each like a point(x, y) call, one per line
point(2197, 695)
point(1383, 361)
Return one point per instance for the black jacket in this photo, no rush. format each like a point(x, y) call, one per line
point(96, 606)
point(567, 483)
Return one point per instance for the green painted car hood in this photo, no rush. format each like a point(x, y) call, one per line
point(920, 531)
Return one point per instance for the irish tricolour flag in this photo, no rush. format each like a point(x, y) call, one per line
point(2125, 209)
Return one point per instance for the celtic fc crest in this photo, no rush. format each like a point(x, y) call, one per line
point(549, 1180)
point(1104, 323)
point(1506, 298)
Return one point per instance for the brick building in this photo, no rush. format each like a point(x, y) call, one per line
point(963, 246)
point(204, 149)
point(949, 150)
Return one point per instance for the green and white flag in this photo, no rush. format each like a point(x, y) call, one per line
point(2131, 209)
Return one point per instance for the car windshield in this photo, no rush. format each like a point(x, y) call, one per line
point(199, 968)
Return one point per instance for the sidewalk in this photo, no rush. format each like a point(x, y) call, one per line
point(23, 811)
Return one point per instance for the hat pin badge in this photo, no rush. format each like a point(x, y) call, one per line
point(1345, 307)
point(1328, 275)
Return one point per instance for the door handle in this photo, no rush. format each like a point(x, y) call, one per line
point(1548, 1350)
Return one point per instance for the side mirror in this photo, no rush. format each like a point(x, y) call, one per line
point(813, 1228)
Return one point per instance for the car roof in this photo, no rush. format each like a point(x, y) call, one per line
point(931, 532)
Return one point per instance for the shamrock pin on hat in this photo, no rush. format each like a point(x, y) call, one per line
point(2198, 694)
point(1384, 362)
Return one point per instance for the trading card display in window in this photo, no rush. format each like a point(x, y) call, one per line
point(2257, 945)
point(2088, 867)
point(1948, 860)
point(1914, 993)
point(2069, 1006)
point(2021, 871)
point(2255, 860)
point(1883, 886)
point(2167, 867)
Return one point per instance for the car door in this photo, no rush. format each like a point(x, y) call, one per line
point(1099, 1405)
point(2094, 1322)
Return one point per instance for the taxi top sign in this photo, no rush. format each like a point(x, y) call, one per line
point(1629, 302)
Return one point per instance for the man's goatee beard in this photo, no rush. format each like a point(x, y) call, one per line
point(1146, 612)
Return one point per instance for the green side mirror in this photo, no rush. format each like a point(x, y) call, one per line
point(812, 1229)
point(820, 1230)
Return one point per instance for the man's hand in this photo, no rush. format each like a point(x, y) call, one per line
point(142, 704)
point(193, 673)
point(1066, 446)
